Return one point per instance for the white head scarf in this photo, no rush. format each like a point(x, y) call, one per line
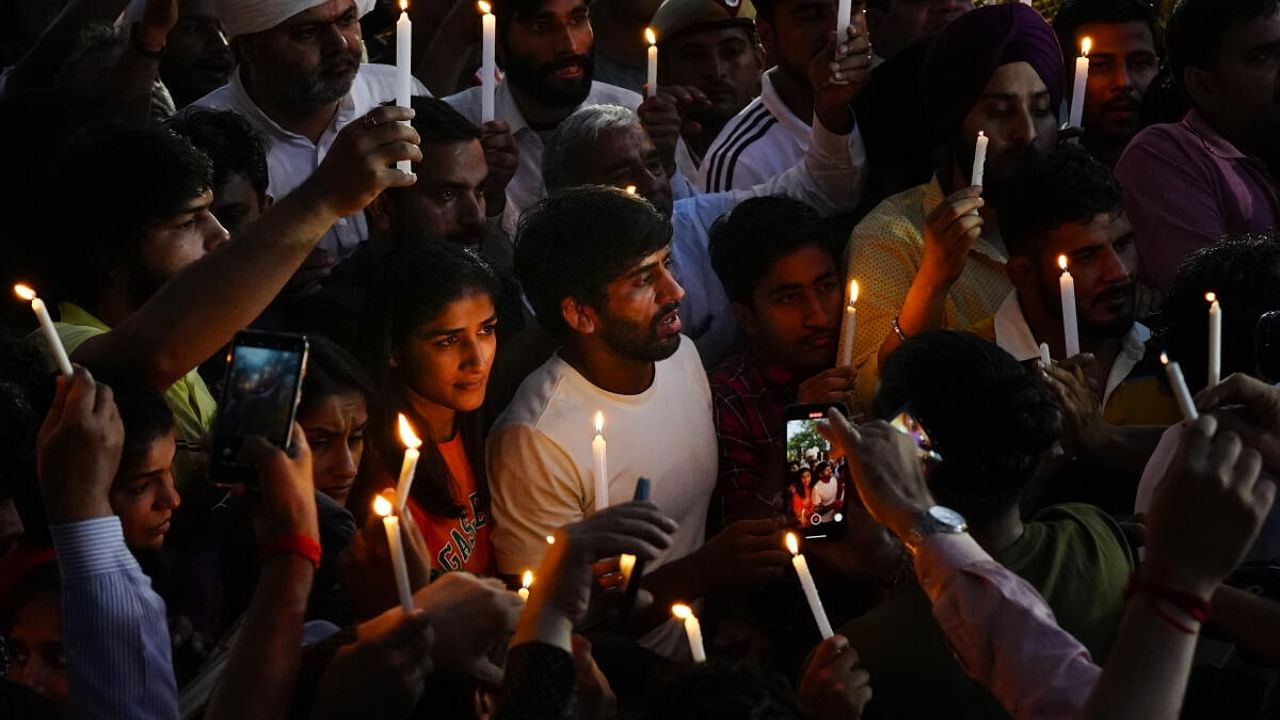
point(245, 17)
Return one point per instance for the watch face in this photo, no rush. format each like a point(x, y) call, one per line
point(947, 516)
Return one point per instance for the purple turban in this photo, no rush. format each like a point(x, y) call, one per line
point(967, 52)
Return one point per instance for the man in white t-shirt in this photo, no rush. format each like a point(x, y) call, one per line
point(300, 81)
point(595, 264)
point(772, 133)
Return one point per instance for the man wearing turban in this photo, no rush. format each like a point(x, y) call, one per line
point(932, 257)
point(300, 80)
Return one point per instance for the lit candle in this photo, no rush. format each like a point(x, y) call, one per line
point(631, 189)
point(1070, 326)
point(599, 454)
point(650, 36)
point(1215, 339)
point(810, 589)
point(1179, 387)
point(1081, 80)
point(626, 565)
point(488, 61)
point(844, 11)
point(46, 328)
point(693, 629)
point(410, 465)
point(404, 66)
point(1045, 358)
point(979, 159)
point(551, 539)
point(525, 581)
point(847, 329)
point(391, 524)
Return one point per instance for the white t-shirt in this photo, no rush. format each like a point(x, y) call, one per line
point(541, 472)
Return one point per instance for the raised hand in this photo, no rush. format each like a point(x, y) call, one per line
point(382, 673)
point(470, 616)
point(746, 552)
point(828, 386)
point(1252, 409)
point(286, 502)
point(834, 686)
point(670, 113)
point(838, 74)
point(949, 234)
point(78, 449)
point(361, 163)
point(503, 158)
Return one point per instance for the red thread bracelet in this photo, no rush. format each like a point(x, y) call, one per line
point(1157, 592)
point(299, 545)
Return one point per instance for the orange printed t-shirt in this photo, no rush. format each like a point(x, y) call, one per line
point(457, 543)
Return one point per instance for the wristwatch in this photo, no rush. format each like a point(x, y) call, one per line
point(937, 519)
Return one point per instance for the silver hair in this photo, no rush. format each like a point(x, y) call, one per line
point(583, 128)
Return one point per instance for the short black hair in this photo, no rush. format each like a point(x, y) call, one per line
point(437, 121)
point(1197, 30)
point(1066, 186)
point(1075, 14)
point(1244, 272)
point(231, 143)
point(577, 241)
point(747, 242)
point(989, 417)
point(121, 179)
point(331, 370)
point(143, 412)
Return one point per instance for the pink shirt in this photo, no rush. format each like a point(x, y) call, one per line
point(1003, 633)
point(1184, 187)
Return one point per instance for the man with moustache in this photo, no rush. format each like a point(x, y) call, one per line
point(546, 49)
point(932, 256)
point(1124, 60)
point(299, 82)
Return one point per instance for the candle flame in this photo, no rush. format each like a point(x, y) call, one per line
point(853, 291)
point(1211, 297)
point(1085, 46)
point(626, 565)
point(407, 435)
point(1164, 358)
point(24, 292)
point(527, 579)
point(793, 544)
point(1062, 262)
point(381, 506)
point(404, 5)
point(651, 36)
point(485, 8)
point(682, 611)
point(599, 423)
point(981, 134)
point(631, 189)
point(551, 539)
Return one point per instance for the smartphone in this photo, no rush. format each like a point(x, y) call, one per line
point(907, 424)
point(637, 571)
point(1266, 342)
point(818, 486)
point(260, 394)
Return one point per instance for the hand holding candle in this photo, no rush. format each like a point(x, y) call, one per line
point(1081, 80)
point(382, 507)
point(404, 67)
point(488, 61)
point(693, 629)
point(652, 82)
point(410, 465)
point(844, 357)
point(1215, 339)
point(979, 159)
point(1070, 324)
point(810, 589)
point(50, 333)
point(599, 457)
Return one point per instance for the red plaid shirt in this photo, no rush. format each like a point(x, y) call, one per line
point(749, 399)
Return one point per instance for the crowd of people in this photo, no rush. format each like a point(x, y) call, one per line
point(547, 355)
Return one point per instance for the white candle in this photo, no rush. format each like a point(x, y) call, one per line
point(844, 357)
point(650, 36)
point(693, 629)
point(810, 589)
point(410, 465)
point(50, 333)
point(404, 66)
point(599, 456)
point(1045, 358)
point(1081, 80)
point(525, 582)
point(488, 61)
point(844, 12)
point(391, 524)
point(1070, 325)
point(979, 159)
point(1215, 339)
point(1179, 386)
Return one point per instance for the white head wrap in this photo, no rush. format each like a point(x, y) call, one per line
point(245, 17)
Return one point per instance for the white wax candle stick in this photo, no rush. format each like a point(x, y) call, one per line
point(979, 159)
point(1081, 80)
point(404, 67)
point(844, 14)
point(488, 61)
point(50, 333)
point(1179, 386)
point(599, 457)
point(1045, 358)
point(652, 82)
point(1215, 339)
point(410, 465)
point(848, 329)
point(1070, 323)
point(810, 589)
point(692, 629)
point(391, 524)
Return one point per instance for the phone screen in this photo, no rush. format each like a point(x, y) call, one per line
point(816, 483)
point(260, 393)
